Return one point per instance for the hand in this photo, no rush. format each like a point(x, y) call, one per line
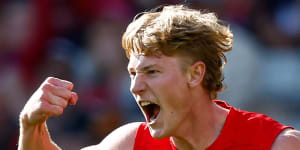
point(50, 99)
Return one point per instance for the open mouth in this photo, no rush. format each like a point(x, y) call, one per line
point(151, 110)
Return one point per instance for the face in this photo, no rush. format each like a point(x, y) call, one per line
point(160, 88)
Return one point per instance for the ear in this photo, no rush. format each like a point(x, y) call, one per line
point(196, 74)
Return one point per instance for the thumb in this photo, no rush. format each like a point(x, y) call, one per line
point(74, 98)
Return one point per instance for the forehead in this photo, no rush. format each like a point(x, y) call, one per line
point(140, 61)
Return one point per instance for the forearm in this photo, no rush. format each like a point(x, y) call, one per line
point(36, 138)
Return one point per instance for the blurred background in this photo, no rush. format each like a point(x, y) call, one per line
point(80, 41)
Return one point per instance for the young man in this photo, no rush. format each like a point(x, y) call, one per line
point(176, 56)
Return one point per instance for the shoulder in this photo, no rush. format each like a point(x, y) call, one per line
point(122, 138)
point(287, 140)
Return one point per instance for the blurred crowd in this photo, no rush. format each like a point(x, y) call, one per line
point(80, 41)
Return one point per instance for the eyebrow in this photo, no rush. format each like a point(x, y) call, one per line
point(145, 68)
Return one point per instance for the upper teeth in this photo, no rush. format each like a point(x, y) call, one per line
point(145, 103)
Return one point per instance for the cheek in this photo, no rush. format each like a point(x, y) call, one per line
point(173, 93)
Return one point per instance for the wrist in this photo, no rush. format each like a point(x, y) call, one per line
point(35, 137)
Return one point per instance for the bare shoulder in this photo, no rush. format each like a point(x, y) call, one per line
point(122, 138)
point(287, 140)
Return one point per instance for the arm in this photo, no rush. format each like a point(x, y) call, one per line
point(122, 138)
point(36, 137)
point(50, 99)
point(287, 140)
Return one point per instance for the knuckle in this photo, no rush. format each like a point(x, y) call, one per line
point(68, 94)
point(64, 104)
point(50, 79)
point(42, 106)
point(46, 86)
point(59, 111)
point(45, 95)
point(70, 85)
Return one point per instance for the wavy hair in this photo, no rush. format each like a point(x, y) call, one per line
point(178, 30)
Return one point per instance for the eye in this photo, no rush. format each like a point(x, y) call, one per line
point(152, 72)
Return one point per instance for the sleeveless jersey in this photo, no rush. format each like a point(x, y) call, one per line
point(242, 130)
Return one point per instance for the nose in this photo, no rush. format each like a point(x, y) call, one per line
point(138, 85)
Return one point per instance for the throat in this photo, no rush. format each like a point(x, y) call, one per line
point(181, 144)
point(198, 132)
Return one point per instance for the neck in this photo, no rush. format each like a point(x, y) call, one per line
point(201, 127)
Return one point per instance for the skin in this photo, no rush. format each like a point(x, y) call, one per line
point(287, 140)
point(151, 79)
point(180, 116)
point(190, 128)
point(50, 99)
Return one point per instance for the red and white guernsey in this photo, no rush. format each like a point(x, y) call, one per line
point(242, 131)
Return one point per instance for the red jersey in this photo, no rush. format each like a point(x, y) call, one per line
point(242, 130)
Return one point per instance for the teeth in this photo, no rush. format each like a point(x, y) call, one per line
point(145, 103)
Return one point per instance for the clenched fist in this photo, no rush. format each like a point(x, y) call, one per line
point(50, 99)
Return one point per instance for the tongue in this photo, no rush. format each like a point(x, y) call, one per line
point(156, 110)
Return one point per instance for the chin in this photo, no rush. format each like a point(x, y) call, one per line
point(158, 133)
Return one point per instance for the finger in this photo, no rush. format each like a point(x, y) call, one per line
point(57, 90)
point(55, 100)
point(62, 83)
point(74, 98)
point(51, 110)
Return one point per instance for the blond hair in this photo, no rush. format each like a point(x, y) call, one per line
point(178, 30)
